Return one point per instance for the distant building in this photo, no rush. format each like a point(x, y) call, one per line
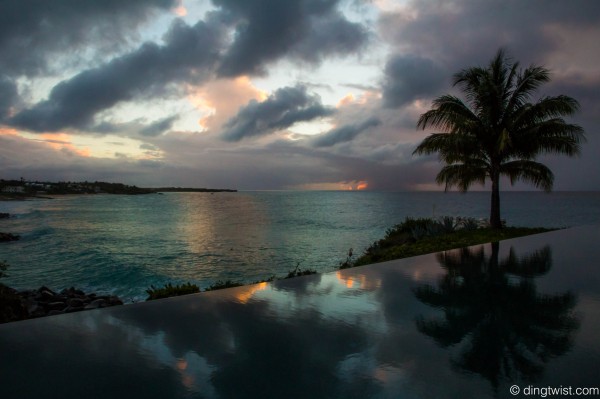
point(13, 189)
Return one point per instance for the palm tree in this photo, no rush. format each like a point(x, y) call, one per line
point(498, 130)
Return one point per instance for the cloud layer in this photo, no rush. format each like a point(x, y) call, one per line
point(281, 110)
point(267, 93)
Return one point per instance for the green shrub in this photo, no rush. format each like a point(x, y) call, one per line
point(219, 285)
point(170, 290)
point(297, 272)
point(448, 224)
point(300, 272)
point(469, 224)
point(468, 235)
point(265, 280)
point(348, 262)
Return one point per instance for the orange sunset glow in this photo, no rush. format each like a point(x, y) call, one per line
point(62, 141)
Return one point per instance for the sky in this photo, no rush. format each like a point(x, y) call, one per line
point(269, 94)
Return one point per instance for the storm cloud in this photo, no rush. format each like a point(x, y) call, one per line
point(408, 78)
point(344, 133)
point(158, 127)
point(8, 95)
point(466, 32)
point(188, 54)
point(267, 30)
point(184, 86)
point(281, 110)
point(32, 31)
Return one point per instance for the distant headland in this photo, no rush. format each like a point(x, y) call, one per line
point(20, 189)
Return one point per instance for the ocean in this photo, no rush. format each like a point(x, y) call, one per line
point(122, 244)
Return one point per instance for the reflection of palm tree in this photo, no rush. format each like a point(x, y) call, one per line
point(513, 330)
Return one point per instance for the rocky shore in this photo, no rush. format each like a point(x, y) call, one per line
point(28, 304)
point(8, 237)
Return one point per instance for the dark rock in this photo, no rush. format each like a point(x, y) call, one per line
point(44, 288)
point(46, 296)
point(27, 293)
point(75, 302)
point(115, 301)
point(98, 303)
point(8, 237)
point(73, 292)
point(29, 304)
point(4, 215)
point(56, 305)
point(11, 306)
point(33, 307)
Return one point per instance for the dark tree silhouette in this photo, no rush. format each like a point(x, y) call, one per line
point(498, 131)
point(504, 328)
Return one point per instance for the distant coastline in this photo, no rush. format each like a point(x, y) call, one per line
point(11, 190)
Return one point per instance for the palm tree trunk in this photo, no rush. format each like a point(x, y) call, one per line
point(495, 221)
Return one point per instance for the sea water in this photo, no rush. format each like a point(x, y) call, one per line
point(124, 244)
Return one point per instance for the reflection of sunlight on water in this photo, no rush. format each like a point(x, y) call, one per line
point(222, 225)
point(389, 375)
point(248, 292)
point(416, 275)
point(181, 364)
point(356, 281)
point(188, 381)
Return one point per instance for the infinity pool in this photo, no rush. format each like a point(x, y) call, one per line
point(469, 323)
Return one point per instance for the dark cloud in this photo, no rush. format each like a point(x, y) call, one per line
point(31, 31)
point(392, 154)
point(188, 54)
point(281, 110)
point(429, 40)
point(344, 133)
point(159, 127)
point(8, 95)
point(362, 87)
point(267, 30)
point(408, 78)
point(470, 31)
point(559, 35)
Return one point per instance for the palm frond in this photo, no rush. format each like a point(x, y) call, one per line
point(553, 136)
point(529, 171)
point(463, 175)
point(469, 81)
point(449, 114)
point(452, 148)
point(527, 82)
point(546, 108)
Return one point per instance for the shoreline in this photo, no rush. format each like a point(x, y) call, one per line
point(27, 304)
point(43, 302)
